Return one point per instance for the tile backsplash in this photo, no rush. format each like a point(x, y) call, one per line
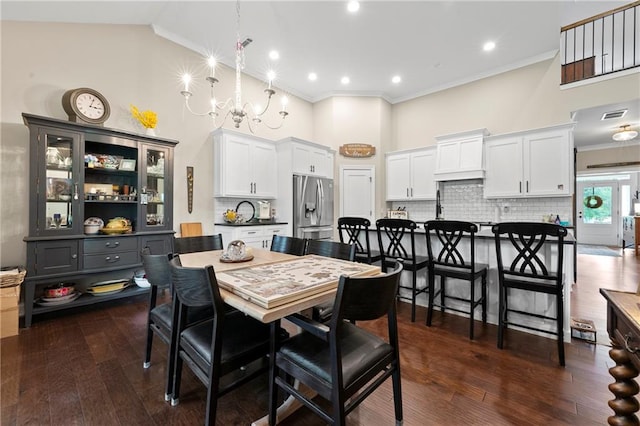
point(463, 200)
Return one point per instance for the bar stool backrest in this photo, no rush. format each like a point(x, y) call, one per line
point(450, 233)
point(349, 231)
point(395, 247)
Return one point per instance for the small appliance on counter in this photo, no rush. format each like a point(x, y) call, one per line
point(264, 210)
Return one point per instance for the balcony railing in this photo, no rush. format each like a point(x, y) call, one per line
point(600, 45)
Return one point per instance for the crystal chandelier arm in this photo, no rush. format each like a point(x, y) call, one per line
point(199, 114)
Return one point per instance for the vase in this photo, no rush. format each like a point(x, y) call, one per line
point(150, 131)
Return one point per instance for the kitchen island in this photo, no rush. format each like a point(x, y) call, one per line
point(486, 253)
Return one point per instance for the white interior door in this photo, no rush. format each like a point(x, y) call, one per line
point(598, 212)
point(358, 191)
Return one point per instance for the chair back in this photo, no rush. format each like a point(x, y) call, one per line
point(526, 259)
point(157, 269)
point(289, 245)
point(184, 245)
point(366, 298)
point(196, 287)
point(190, 229)
point(332, 249)
point(450, 233)
point(349, 231)
point(395, 248)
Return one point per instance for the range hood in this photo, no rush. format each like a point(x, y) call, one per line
point(460, 156)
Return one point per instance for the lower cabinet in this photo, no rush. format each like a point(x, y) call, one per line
point(84, 261)
point(258, 236)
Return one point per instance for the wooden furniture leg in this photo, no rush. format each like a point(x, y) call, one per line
point(625, 404)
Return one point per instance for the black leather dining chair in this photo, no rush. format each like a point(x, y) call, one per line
point(355, 230)
point(160, 317)
point(231, 344)
point(158, 274)
point(342, 362)
point(524, 251)
point(183, 245)
point(396, 240)
point(449, 262)
point(289, 245)
point(335, 250)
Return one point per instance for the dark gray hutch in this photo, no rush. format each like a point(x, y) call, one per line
point(82, 171)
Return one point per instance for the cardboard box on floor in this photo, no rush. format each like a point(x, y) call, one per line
point(9, 322)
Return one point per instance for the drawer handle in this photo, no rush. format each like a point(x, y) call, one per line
point(627, 338)
point(251, 232)
point(116, 244)
point(115, 259)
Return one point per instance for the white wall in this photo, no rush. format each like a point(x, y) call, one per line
point(128, 65)
point(522, 99)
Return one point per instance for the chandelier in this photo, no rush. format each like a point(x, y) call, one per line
point(624, 134)
point(233, 106)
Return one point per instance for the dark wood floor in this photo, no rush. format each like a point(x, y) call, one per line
point(86, 368)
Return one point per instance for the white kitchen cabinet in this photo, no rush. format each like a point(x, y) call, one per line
point(460, 156)
point(310, 160)
point(536, 163)
point(258, 236)
point(244, 166)
point(410, 175)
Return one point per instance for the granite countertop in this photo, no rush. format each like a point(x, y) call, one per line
point(252, 223)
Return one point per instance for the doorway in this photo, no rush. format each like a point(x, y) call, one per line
point(358, 191)
point(598, 212)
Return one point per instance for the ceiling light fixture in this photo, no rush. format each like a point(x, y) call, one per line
point(396, 79)
point(489, 46)
point(624, 134)
point(233, 106)
point(345, 80)
point(312, 76)
point(353, 6)
point(274, 55)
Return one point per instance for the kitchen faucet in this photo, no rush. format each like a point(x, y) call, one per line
point(438, 206)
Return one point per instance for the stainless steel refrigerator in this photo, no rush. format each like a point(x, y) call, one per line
point(312, 207)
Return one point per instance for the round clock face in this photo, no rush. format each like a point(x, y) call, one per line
point(86, 105)
point(90, 106)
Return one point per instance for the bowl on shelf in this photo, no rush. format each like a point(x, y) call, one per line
point(92, 225)
point(59, 290)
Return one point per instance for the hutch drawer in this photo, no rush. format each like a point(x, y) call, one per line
point(107, 245)
point(108, 260)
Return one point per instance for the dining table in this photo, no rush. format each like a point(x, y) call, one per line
point(308, 280)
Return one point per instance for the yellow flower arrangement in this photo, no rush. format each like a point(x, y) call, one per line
point(148, 118)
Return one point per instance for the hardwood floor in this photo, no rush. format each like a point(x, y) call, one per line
point(85, 368)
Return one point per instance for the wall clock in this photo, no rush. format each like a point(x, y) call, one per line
point(86, 105)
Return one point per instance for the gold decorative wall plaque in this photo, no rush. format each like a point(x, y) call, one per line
point(357, 150)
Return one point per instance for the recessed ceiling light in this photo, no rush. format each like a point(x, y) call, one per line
point(353, 6)
point(396, 79)
point(274, 55)
point(312, 76)
point(489, 46)
point(345, 80)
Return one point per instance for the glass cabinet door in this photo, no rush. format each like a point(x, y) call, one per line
point(59, 183)
point(155, 193)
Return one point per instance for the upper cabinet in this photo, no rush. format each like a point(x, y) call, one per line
point(309, 158)
point(245, 166)
point(460, 156)
point(410, 175)
point(536, 163)
point(83, 172)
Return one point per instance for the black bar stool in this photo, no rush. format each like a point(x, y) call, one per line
point(351, 228)
point(450, 263)
point(524, 264)
point(397, 247)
